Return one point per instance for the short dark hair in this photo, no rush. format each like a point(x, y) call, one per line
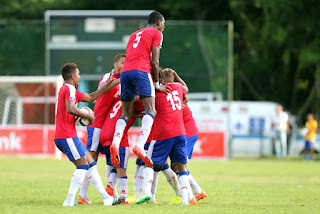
point(154, 17)
point(118, 56)
point(67, 70)
point(168, 73)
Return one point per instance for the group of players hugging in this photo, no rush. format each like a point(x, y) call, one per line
point(158, 96)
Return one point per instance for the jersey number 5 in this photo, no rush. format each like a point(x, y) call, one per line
point(172, 97)
point(138, 37)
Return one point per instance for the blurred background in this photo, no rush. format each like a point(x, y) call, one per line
point(240, 60)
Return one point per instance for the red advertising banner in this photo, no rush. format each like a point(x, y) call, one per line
point(40, 140)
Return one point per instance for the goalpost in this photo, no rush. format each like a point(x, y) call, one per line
point(27, 108)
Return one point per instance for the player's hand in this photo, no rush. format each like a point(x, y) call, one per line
point(165, 88)
point(91, 117)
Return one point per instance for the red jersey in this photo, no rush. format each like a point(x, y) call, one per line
point(109, 126)
point(65, 122)
point(189, 123)
point(168, 122)
point(139, 49)
point(105, 101)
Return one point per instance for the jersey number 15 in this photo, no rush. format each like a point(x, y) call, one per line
point(173, 97)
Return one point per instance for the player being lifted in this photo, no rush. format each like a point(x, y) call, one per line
point(136, 79)
point(66, 138)
point(101, 109)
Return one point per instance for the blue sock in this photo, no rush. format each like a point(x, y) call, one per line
point(305, 157)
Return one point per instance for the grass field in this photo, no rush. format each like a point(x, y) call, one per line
point(235, 186)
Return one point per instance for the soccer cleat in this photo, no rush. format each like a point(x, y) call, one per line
point(143, 199)
point(111, 201)
point(109, 190)
point(136, 150)
point(200, 196)
point(176, 200)
point(131, 199)
point(66, 204)
point(114, 153)
point(123, 201)
point(193, 201)
point(81, 201)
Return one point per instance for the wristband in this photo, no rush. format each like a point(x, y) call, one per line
point(156, 85)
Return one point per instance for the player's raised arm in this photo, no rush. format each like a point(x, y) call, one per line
point(105, 88)
point(178, 79)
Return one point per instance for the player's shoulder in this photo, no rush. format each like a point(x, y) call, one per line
point(104, 78)
point(68, 87)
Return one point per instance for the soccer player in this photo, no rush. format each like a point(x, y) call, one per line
point(169, 139)
point(136, 79)
point(101, 109)
point(66, 138)
point(310, 137)
point(192, 134)
point(106, 140)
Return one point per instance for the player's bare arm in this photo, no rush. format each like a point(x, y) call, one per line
point(103, 89)
point(73, 109)
point(178, 79)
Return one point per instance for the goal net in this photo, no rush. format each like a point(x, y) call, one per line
point(28, 100)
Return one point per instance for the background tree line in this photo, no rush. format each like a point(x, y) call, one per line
point(276, 42)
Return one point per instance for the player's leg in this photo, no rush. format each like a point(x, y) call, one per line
point(156, 171)
point(158, 151)
point(173, 181)
point(136, 171)
point(111, 174)
point(311, 150)
point(305, 150)
point(95, 179)
point(179, 157)
point(284, 143)
point(277, 143)
point(122, 178)
point(145, 89)
point(93, 146)
point(75, 151)
point(197, 190)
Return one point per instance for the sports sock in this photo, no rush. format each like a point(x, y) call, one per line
point(95, 179)
point(118, 133)
point(147, 181)
point(123, 186)
point(194, 185)
point(112, 181)
point(139, 182)
point(108, 171)
point(76, 181)
point(185, 185)
point(135, 176)
point(84, 188)
point(172, 179)
point(154, 185)
point(146, 125)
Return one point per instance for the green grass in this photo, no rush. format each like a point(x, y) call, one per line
point(236, 186)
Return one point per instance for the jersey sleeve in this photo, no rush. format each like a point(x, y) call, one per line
point(79, 95)
point(157, 40)
point(69, 93)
